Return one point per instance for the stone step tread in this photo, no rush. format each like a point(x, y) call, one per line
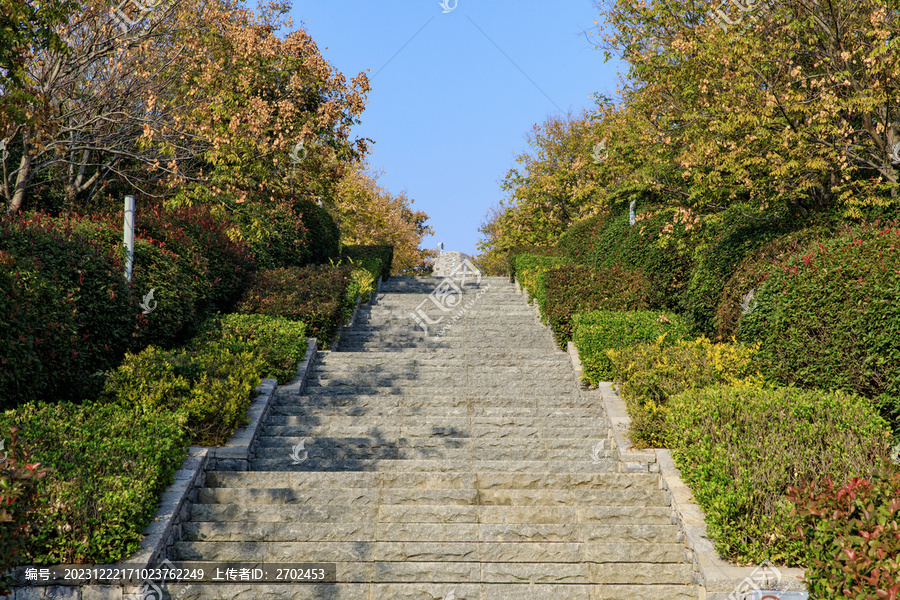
point(407, 465)
point(621, 561)
point(448, 480)
point(522, 590)
point(430, 532)
point(526, 515)
point(419, 497)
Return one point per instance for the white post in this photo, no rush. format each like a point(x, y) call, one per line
point(129, 236)
point(631, 213)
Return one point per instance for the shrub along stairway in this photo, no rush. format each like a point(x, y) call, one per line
point(466, 467)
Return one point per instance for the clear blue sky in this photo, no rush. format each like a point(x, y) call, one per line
point(455, 94)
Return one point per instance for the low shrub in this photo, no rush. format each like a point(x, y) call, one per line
point(211, 389)
point(18, 502)
point(740, 449)
point(529, 268)
point(315, 295)
point(107, 465)
point(852, 534)
point(652, 373)
point(280, 343)
point(571, 289)
point(90, 279)
point(38, 333)
point(361, 286)
point(218, 267)
point(159, 282)
point(738, 295)
point(596, 332)
point(829, 318)
point(660, 245)
point(513, 255)
point(322, 232)
point(361, 254)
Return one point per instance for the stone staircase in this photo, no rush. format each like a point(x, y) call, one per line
point(461, 467)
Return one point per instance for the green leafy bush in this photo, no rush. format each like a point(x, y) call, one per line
point(514, 253)
point(211, 389)
point(274, 232)
point(752, 271)
point(660, 245)
point(323, 234)
point(280, 343)
point(737, 236)
point(853, 536)
point(651, 373)
point(363, 255)
point(218, 267)
point(18, 500)
point(38, 333)
point(529, 268)
point(88, 280)
point(315, 295)
point(571, 289)
point(596, 332)
point(740, 449)
point(107, 465)
point(158, 281)
point(829, 317)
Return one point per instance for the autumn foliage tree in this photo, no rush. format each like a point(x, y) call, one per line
point(370, 214)
point(191, 99)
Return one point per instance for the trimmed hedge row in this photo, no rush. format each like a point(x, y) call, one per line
point(362, 255)
point(660, 245)
point(570, 289)
point(316, 295)
point(740, 449)
point(829, 317)
point(107, 466)
point(598, 331)
point(66, 312)
point(514, 253)
point(652, 373)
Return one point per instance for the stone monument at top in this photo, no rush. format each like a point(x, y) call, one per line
point(447, 263)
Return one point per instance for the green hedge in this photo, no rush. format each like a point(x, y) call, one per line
point(660, 245)
point(211, 388)
point(738, 235)
point(598, 331)
point(752, 271)
point(107, 466)
point(740, 448)
point(316, 295)
point(278, 342)
point(528, 271)
point(218, 267)
point(570, 289)
point(513, 255)
point(829, 317)
point(652, 373)
point(851, 533)
point(323, 235)
point(88, 322)
point(361, 254)
point(159, 276)
point(274, 232)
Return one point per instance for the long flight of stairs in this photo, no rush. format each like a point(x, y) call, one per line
point(459, 466)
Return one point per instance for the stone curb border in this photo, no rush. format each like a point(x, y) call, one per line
point(175, 503)
point(718, 578)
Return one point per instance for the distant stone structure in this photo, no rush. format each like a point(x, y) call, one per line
point(446, 263)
